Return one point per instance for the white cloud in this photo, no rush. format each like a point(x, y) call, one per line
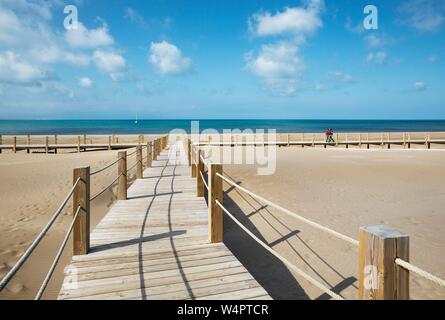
point(134, 16)
point(294, 20)
point(279, 66)
point(423, 15)
point(378, 57)
point(85, 38)
point(15, 70)
point(432, 58)
point(168, 59)
point(111, 63)
point(85, 82)
point(375, 41)
point(334, 80)
point(419, 86)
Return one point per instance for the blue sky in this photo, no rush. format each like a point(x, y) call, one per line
point(222, 59)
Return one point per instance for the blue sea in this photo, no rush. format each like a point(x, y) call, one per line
point(18, 127)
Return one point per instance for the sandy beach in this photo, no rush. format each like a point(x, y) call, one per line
point(343, 190)
point(33, 186)
point(339, 188)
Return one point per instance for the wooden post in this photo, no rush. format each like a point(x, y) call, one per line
point(404, 140)
point(84, 139)
point(122, 173)
point(215, 212)
point(347, 142)
point(194, 165)
point(139, 162)
point(428, 142)
point(199, 170)
point(78, 143)
point(14, 147)
point(28, 140)
point(409, 141)
point(81, 197)
point(46, 144)
point(1, 143)
point(55, 142)
point(189, 152)
point(360, 140)
point(148, 154)
point(109, 142)
point(380, 278)
point(288, 140)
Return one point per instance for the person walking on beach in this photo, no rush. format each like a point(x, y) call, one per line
point(330, 135)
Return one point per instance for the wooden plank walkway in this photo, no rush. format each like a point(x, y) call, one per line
point(155, 246)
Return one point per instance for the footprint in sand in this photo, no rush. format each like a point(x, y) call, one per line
point(15, 288)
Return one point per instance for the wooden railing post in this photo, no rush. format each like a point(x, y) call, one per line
point(84, 139)
point(81, 197)
point(55, 142)
point(189, 152)
point(199, 171)
point(78, 143)
point(1, 143)
point(139, 162)
point(215, 212)
point(122, 173)
point(149, 155)
point(14, 145)
point(380, 278)
point(193, 155)
point(28, 141)
point(46, 144)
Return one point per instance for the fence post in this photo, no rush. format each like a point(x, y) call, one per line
point(139, 162)
point(122, 173)
point(189, 153)
point(193, 161)
point(1, 143)
point(199, 170)
point(215, 212)
point(81, 197)
point(46, 144)
point(109, 142)
point(380, 278)
point(148, 155)
point(78, 143)
point(14, 147)
point(28, 140)
point(55, 142)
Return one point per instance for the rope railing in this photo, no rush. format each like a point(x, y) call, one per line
point(204, 180)
point(106, 188)
point(37, 240)
point(104, 168)
point(132, 167)
point(293, 214)
point(420, 272)
point(282, 259)
point(57, 257)
point(132, 153)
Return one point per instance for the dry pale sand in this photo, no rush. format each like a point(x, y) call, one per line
point(343, 190)
point(32, 187)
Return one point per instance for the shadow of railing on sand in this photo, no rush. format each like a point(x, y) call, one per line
point(259, 209)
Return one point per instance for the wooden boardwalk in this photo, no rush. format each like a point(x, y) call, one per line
point(155, 246)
